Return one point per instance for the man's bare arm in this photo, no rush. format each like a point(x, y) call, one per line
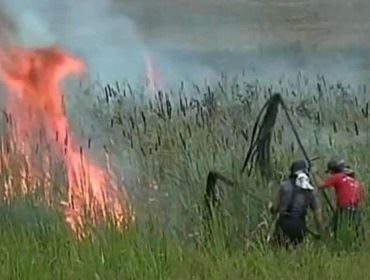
point(318, 181)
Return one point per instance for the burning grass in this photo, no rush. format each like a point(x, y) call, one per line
point(165, 145)
point(35, 105)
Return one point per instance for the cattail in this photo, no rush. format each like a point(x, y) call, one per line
point(117, 87)
point(317, 140)
point(319, 90)
point(197, 89)
point(130, 89)
point(197, 120)
point(66, 140)
point(89, 143)
point(189, 130)
point(221, 88)
point(186, 102)
point(159, 140)
point(330, 141)
point(223, 143)
point(112, 123)
point(280, 137)
point(182, 141)
point(131, 141)
point(160, 98)
point(132, 122)
point(335, 127)
point(202, 117)
point(245, 135)
point(142, 151)
point(7, 147)
point(356, 129)
point(365, 111)
point(119, 118)
point(144, 120)
point(299, 123)
point(182, 107)
point(106, 95)
point(346, 114)
point(6, 117)
point(168, 107)
point(323, 80)
point(109, 90)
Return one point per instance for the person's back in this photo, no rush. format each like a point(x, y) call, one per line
point(296, 201)
point(349, 191)
point(293, 210)
point(295, 196)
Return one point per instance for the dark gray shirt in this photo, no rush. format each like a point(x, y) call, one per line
point(295, 201)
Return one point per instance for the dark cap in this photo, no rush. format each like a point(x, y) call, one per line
point(299, 165)
point(336, 164)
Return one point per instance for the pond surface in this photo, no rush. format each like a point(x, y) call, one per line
point(176, 40)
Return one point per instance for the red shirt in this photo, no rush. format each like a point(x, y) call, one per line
point(348, 190)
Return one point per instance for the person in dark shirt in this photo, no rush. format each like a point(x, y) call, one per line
point(350, 197)
point(295, 196)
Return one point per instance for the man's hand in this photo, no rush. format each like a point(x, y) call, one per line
point(317, 180)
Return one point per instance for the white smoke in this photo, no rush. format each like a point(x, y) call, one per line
point(108, 43)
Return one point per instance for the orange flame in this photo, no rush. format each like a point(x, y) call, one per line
point(35, 100)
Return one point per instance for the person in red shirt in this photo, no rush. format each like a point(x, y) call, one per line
point(349, 193)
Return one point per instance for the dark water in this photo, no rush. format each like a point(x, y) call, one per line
point(238, 24)
point(272, 37)
point(197, 39)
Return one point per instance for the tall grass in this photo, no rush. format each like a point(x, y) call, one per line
point(164, 147)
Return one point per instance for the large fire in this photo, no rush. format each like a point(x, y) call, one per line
point(35, 102)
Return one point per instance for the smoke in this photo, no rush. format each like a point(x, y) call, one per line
point(108, 44)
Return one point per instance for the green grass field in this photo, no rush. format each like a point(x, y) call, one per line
point(164, 146)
